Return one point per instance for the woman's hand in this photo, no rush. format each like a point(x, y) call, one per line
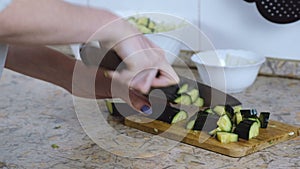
point(146, 67)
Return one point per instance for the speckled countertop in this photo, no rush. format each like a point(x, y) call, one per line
point(40, 129)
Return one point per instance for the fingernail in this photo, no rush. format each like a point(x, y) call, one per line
point(146, 110)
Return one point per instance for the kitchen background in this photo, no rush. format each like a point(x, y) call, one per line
point(227, 24)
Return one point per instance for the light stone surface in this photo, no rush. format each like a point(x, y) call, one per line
point(30, 110)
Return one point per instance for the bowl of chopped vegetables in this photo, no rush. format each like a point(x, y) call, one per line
point(163, 30)
point(229, 70)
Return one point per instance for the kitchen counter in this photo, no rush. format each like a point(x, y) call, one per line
point(39, 128)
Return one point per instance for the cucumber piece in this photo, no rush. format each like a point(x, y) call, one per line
point(247, 129)
point(237, 108)
point(209, 110)
point(184, 99)
point(132, 20)
point(220, 110)
point(255, 119)
point(238, 117)
point(264, 119)
point(225, 137)
point(214, 131)
point(194, 93)
point(151, 25)
point(199, 102)
point(109, 106)
point(190, 124)
point(224, 123)
point(181, 115)
point(143, 21)
point(144, 29)
point(183, 89)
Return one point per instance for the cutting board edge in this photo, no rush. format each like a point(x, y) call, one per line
point(236, 153)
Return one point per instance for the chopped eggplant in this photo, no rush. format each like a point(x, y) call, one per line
point(224, 123)
point(264, 119)
point(249, 113)
point(247, 129)
point(169, 91)
point(170, 115)
point(229, 111)
point(184, 99)
point(225, 137)
point(205, 121)
point(183, 89)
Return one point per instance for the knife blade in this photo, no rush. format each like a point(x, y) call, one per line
point(95, 56)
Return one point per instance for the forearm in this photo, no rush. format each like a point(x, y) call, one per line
point(54, 67)
point(57, 22)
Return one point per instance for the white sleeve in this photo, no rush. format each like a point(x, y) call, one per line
point(4, 4)
point(3, 53)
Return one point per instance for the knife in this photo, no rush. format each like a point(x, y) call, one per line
point(96, 56)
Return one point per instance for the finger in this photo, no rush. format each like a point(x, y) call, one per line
point(143, 80)
point(140, 102)
point(165, 79)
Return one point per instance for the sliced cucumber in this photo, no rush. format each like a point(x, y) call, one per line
point(209, 110)
point(194, 93)
point(151, 25)
point(109, 106)
point(143, 21)
point(220, 110)
point(183, 88)
point(237, 108)
point(144, 29)
point(190, 124)
point(225, 137)
point(184, 99)
point(214, 131)
point(224, 123)
point(181, 115)
point(199, 102)
point(238, 117)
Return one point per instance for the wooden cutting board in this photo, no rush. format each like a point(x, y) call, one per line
point(276, 132)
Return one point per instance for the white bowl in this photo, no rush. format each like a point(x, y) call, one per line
point(170, 45)
point(228, 70)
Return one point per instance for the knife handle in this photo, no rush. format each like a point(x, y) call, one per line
point(95, 56)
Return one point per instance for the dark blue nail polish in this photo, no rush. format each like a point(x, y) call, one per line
point(146, 110)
